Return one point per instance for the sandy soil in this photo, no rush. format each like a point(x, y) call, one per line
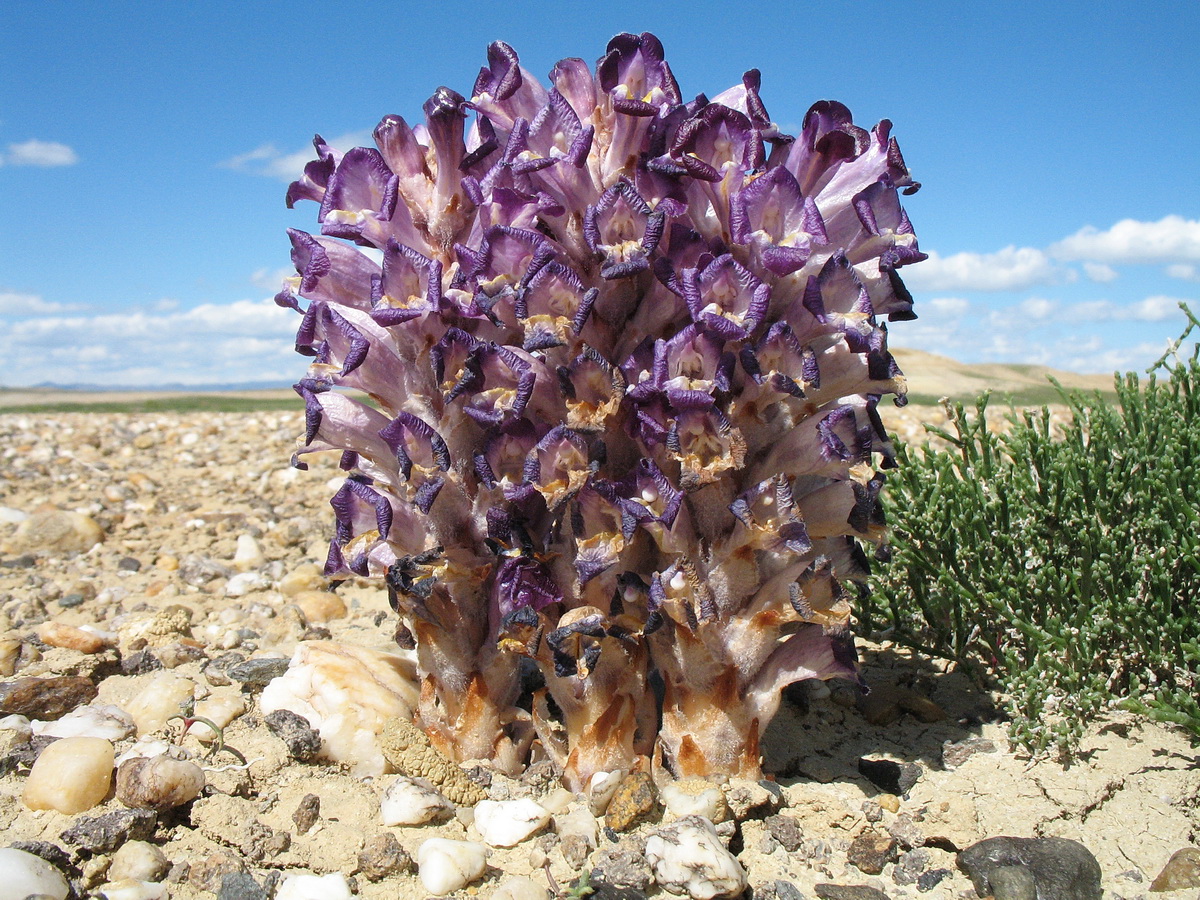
point(172, 495)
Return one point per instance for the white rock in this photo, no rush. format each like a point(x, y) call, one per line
point(520, 887)
point(347, 694)
point(221, 707)
point(411, 802)
point(138, 861)
point(159, 783)
point(11, 516)
point(245, 582)
point(109, 722)
point(158, 701)
point(505, 823)
point(579, 822)
point(557, 800)
point(314, 887)
point(248, 554)
point(687, 857)
point(130, 889)
point(601, 788)
point(71, 775)
point(694, 797)
point(20, 725)
point(446, 865)
point(23, 874)
point(147, 747)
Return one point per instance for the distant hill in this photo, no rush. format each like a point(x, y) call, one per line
point(930, 377)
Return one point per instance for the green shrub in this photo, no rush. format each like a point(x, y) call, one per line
point(1063, 560)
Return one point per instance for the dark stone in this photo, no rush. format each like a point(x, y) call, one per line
point(906, 832)
point(623, 867)
point(871, 851)
point(129, 564)
point(256, 674)
point(293, 729)
point(849, 892)
point(216, 670)
point(70, 601)
point(307, 813)
point(45, 698)
point(199, 570)
point(382, 856)
point(786, 830)
point(1008, 867)
point(955, 753)
point(140, 663)
point(241, 886)
point(24, 561)
point(927, 881)
point(103, 834)
point(889, 776)
point(910, 865)
point(602, 890)
point(777, 890)
point(22, 757)
point(797, 695)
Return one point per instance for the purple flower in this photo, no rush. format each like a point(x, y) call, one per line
point(603, 367)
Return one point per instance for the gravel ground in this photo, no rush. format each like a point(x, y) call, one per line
point(177, 557)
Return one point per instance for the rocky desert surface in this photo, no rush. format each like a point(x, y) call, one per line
point(160, 575)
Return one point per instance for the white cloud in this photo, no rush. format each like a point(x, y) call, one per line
point(46, 154)
point(1010, 269)
point(270, 279)
point(269, 161)
point(17, 304)
point(1169, 240)
point(1037, 308)
point(1184, 271)
point(250, 340)
point(1099, 272)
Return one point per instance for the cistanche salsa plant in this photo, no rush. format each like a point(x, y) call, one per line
point(604, 364)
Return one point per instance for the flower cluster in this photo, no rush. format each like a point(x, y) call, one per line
point(603, 367)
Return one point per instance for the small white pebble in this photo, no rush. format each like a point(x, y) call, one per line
point(411, 802)
point(505, 823)
point(688, 857)
point(109, 722)
point(133, 890)
point(24, 874)
point(446, 866)
point(314, 887)
point(520, 887)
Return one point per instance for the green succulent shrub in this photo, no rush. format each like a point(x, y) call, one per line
point(1063, 560)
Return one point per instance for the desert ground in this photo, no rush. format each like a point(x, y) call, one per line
point(156, 558)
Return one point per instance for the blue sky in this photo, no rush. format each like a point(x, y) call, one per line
point(143, 163)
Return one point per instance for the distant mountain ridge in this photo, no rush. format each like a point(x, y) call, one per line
point(173, 387)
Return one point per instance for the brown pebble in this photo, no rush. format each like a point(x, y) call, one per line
point(871, 851)
point(206, 874)
point(46, 699)
point(634, 800)
point(68, 637)
point(382, 856)
point(307, 813)
point(159, 783)
point(1181, 871)
point(320, 606)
